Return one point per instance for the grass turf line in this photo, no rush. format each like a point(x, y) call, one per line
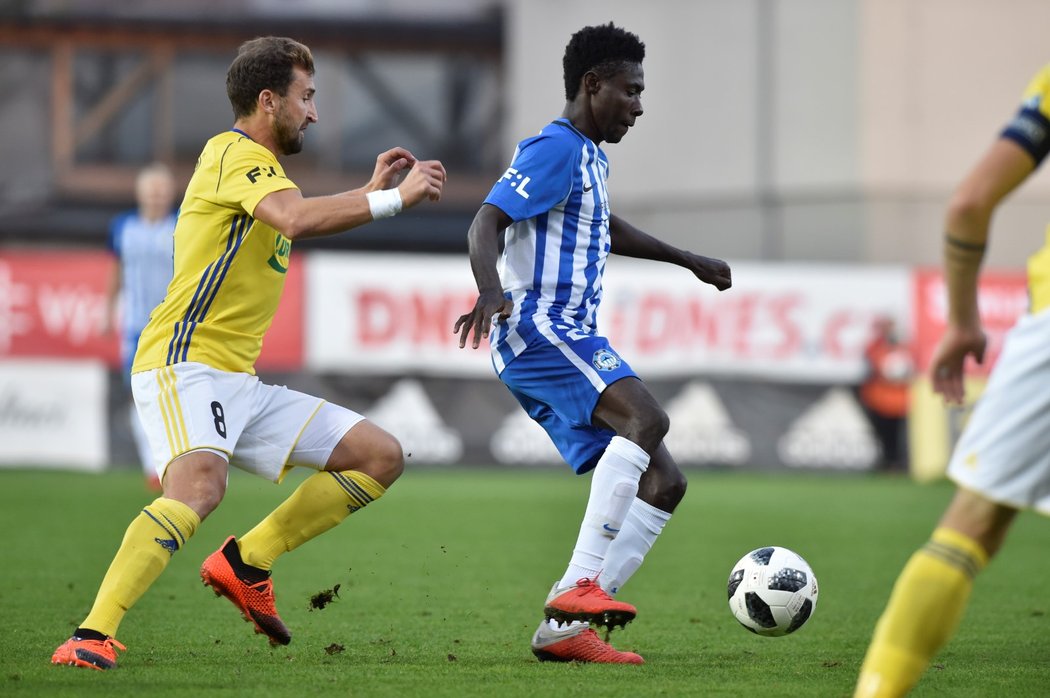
point(441, 584)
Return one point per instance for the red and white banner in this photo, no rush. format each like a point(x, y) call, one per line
point(380, 313)
point(394, 313)
point(1002, 297)
point(785, 322)
point(391, 313)
point(54, 304)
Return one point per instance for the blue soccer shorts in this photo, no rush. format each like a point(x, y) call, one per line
point(558, 380)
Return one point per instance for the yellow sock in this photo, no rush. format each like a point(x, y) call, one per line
point(923, 612)
point(322, 501)
point(154, 535)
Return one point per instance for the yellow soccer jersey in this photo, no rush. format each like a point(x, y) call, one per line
point(1030, 129)
point(229, 267)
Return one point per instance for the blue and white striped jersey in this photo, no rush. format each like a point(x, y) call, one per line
point(555, 251)
point(145, 251)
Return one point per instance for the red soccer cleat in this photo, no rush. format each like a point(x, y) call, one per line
point(88, 654)
point(255, 601)
point(579, 643)
point(586, 601)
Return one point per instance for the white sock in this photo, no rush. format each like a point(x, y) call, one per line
point(614, 485)
point(643, 524)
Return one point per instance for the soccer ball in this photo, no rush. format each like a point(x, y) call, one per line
point(772, 591)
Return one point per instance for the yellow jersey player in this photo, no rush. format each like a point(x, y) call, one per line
point(1001, 463)
point(193, 380)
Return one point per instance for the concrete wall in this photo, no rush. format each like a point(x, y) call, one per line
point(940, 79)
point(827, 130)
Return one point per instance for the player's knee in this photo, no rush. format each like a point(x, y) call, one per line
point(203, 495)
point(651, 428)
point(198, 480)
point(208, 500)
point(387, 461)
point(672, 489)
point(677, 483)
point(662, 424)
point(663, 485)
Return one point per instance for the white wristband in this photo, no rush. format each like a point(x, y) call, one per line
point(384, 203)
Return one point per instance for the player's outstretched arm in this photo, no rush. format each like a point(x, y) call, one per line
point(298, 217)
point(1002, 169)
point(629, 241)
point(483, 242)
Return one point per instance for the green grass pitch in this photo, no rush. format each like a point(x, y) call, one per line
point(441, 584)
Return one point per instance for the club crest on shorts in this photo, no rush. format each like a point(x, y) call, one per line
point(605, 360)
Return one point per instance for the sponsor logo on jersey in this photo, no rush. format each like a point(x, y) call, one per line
point(282, 248)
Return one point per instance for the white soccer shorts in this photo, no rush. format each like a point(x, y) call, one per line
point(262, 429)
point(1004, 451)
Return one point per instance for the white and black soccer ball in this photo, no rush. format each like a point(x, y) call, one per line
point(772, 591)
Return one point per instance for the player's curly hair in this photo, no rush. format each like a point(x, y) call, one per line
point(605, 49)
point(264, 63)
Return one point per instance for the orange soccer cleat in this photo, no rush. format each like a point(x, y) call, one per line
point(88, 654)
point(586, 601)
point(255, 600)
point(577, 643)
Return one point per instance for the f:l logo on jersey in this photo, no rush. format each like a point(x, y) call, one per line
point(516, 180)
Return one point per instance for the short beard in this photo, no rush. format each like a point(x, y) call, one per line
point(289, 143)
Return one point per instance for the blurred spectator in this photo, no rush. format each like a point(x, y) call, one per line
point(884, 392)
point(142, 242)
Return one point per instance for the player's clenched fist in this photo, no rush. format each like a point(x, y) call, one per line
point(426, 179)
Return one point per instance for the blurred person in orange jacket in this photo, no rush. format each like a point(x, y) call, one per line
point(884, 392)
